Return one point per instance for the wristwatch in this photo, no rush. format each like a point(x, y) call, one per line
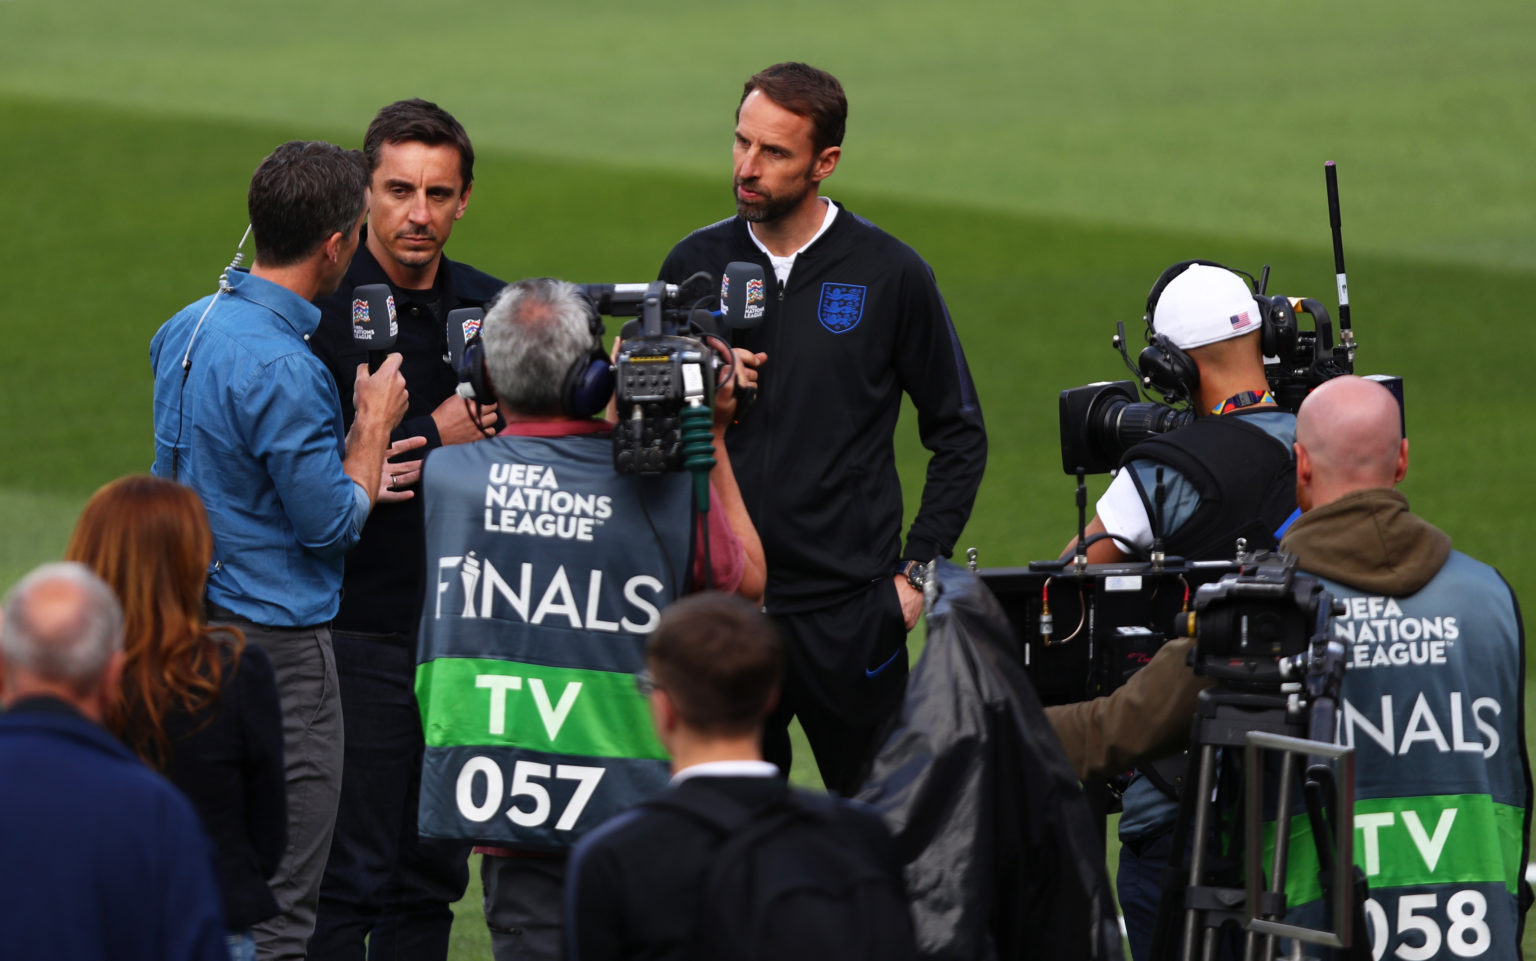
point(916, 573)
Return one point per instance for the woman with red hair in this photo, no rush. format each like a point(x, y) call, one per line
point(196, 703)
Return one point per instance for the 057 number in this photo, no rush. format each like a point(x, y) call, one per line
point(526, 776)
point(1466, 931)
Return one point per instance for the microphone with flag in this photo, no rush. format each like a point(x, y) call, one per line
point(374, 326)
point(463, 327)
point(743, 295)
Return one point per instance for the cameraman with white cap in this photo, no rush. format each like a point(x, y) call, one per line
point(1228, 474)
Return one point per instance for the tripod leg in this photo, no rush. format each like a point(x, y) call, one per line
point(1201, 829)
point(1282, 839)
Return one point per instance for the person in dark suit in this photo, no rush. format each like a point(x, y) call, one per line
point(635, 886)
point(99, 856)
point(197, 703)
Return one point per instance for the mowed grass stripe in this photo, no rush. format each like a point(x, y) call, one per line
point(1206, 118)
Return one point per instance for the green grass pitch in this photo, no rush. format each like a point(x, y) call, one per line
point(1047, 159)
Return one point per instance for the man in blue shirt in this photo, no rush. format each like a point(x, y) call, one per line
point(248, 417)
point(99, 856)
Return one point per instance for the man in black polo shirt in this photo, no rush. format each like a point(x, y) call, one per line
point(381, 881)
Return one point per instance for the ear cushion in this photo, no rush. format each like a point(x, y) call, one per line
point(473, 372)
point(1167, 368)
point(589, 382)
point(588, 385)
point(1279, 326)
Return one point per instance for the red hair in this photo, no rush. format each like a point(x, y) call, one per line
point(148, 538)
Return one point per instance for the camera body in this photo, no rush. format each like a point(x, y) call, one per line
point(1260, 627)
point(663, 368)
point(656, 379)
point(1082, 632)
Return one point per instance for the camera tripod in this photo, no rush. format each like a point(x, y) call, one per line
point(1223, 890)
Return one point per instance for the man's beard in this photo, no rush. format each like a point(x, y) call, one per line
point(767, 209)
point(413, 257)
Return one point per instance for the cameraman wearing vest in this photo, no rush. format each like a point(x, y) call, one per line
point(1229, 474)
point(1432, 702)
point(1433, 699)
point(546, 570)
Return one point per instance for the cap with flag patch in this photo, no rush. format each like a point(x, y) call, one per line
point(1204, 305)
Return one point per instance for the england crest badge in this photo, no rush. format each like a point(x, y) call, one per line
point(841, 307)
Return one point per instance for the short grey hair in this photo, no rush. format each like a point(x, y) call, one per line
point(534, 334)
point(62, 623)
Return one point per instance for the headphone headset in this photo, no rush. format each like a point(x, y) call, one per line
point(1172, 372)
point(584, 391)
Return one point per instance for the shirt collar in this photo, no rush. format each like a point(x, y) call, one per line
point(294, 310)
point(726, 769)
point(783, 265)
point(555, 428)
point(45, 704)
point(366, 269)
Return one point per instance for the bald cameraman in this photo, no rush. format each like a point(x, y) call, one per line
point(1441, 715)
point(1229, 474)
point(547, 567)
point(1434, 692)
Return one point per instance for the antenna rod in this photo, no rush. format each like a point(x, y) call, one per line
point(1346, 333)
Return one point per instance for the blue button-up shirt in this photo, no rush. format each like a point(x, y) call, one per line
point(254, 426)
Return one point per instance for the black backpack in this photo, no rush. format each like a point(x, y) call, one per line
point(793, 880)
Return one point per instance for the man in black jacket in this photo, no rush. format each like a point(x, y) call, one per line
point(381, 881)
point(639, 886)
point(854, 320)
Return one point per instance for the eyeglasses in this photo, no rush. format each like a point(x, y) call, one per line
point(644, 683)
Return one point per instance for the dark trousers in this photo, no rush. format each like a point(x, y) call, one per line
point(305, 671)
point(524, 906)
point(1139, 884)
point(845, 677)
point(382, 881)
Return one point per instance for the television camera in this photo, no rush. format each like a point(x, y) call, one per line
point(1102, 420)
point(671, 359)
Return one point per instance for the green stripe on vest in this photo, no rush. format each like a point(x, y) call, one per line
point(1445, 839)
point(473, 701)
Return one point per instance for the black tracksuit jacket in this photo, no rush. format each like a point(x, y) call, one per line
point(860, 322)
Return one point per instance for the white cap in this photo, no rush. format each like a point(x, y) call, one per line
point(1204, 305)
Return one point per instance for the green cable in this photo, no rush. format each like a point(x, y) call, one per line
point(699, 450)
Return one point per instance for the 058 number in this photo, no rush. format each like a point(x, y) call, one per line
point(1466, 931)
point(526, 776)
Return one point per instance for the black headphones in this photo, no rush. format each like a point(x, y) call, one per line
point(589, 383)
point(587, 386)
point(1173, 373)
